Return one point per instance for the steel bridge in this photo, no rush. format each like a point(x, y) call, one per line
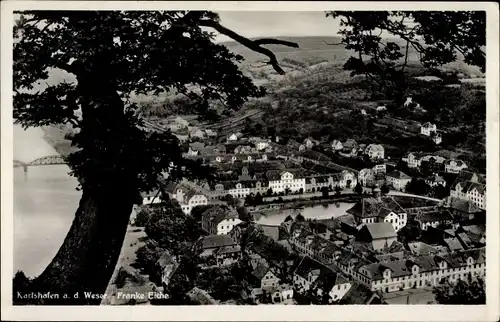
point(46, 160)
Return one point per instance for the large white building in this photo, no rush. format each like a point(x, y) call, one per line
point(423, 271)
point(472, 191)
point(289, 179)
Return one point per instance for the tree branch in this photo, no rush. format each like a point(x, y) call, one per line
point(254, 45)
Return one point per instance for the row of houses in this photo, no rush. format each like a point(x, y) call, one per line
point(415, 159)
point(351, 148)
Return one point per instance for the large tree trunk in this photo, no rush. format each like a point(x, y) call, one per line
point(85, 262)
point(87, 258)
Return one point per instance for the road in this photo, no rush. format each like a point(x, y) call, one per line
point(399, 193)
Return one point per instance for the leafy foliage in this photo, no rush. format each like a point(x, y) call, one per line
point(130, 53)
point(437, 37)
point(172, 229)
point(470, 292)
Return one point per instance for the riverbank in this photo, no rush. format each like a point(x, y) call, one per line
point(56, 137)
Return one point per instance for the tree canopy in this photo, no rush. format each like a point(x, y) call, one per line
point(113, 56)
point(436, 37)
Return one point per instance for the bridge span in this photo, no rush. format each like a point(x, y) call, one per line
point(45, 160)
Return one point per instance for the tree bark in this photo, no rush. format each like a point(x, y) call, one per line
point(85, 262)
point(87, 258)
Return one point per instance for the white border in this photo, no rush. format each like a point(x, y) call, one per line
point(489, 312)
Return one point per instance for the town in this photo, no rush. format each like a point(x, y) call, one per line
point(294, 227)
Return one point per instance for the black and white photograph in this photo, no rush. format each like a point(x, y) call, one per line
point(180, 157)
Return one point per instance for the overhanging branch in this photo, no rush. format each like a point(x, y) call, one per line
point(254, 45)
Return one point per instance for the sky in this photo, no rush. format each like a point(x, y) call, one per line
point(278, 23)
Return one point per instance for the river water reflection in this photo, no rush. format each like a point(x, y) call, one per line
point(45, 200)
point(315, 212)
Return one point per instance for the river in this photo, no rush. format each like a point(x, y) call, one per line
point(45, 200)
point(315, 212)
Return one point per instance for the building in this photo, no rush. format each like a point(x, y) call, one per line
point(151, 197)
point(196, 132)
point(366, 177)
point(219, 220)
point(398, 179)
point(350, 147)
point(433, 219)
point(279, 181)
point(282, 293)
point(209, 245)
point(195, 148)
point(186, 196)
point(264, 277)
point(347, 179)
point(379, 209)
point(375, 151)
point(454, 166)
point(423, 271)
point(380, 235)
point(312, 275)
point(235, 136)
point(428, 129)
point(262, 144)
point(437, 138)
point(177, 123)
point(379, 168)
point(337, 145)
point(435, 180)
point(474, 192)
point(200, 297)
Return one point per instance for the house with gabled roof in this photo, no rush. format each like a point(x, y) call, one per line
point(186, 196)
point(423, 271)
point(219, 220)
point(398, 179)
point(379, 235)
point(472, 191)
point(263, 277)
point(337, 145)
point(312, 275)
point(454, 166)
point(375, 151)
point(379, 209)
point(428, 129)
point(433, 218)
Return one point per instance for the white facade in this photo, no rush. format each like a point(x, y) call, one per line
point(364, 175)
point(477, 198)
point(239, 191)
point(428, 129)
point(473, 195)
point(196, 200)
point(233, 137)
point(261, 145)
point(375, 151)
point(348, 180)
point(397, 221)
point(453, 166)
point(339, 291)
point(225, 226)
point(337, 145)
point(419, 278)
point(413, 160)
point(397, 183)
point(287, 181)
